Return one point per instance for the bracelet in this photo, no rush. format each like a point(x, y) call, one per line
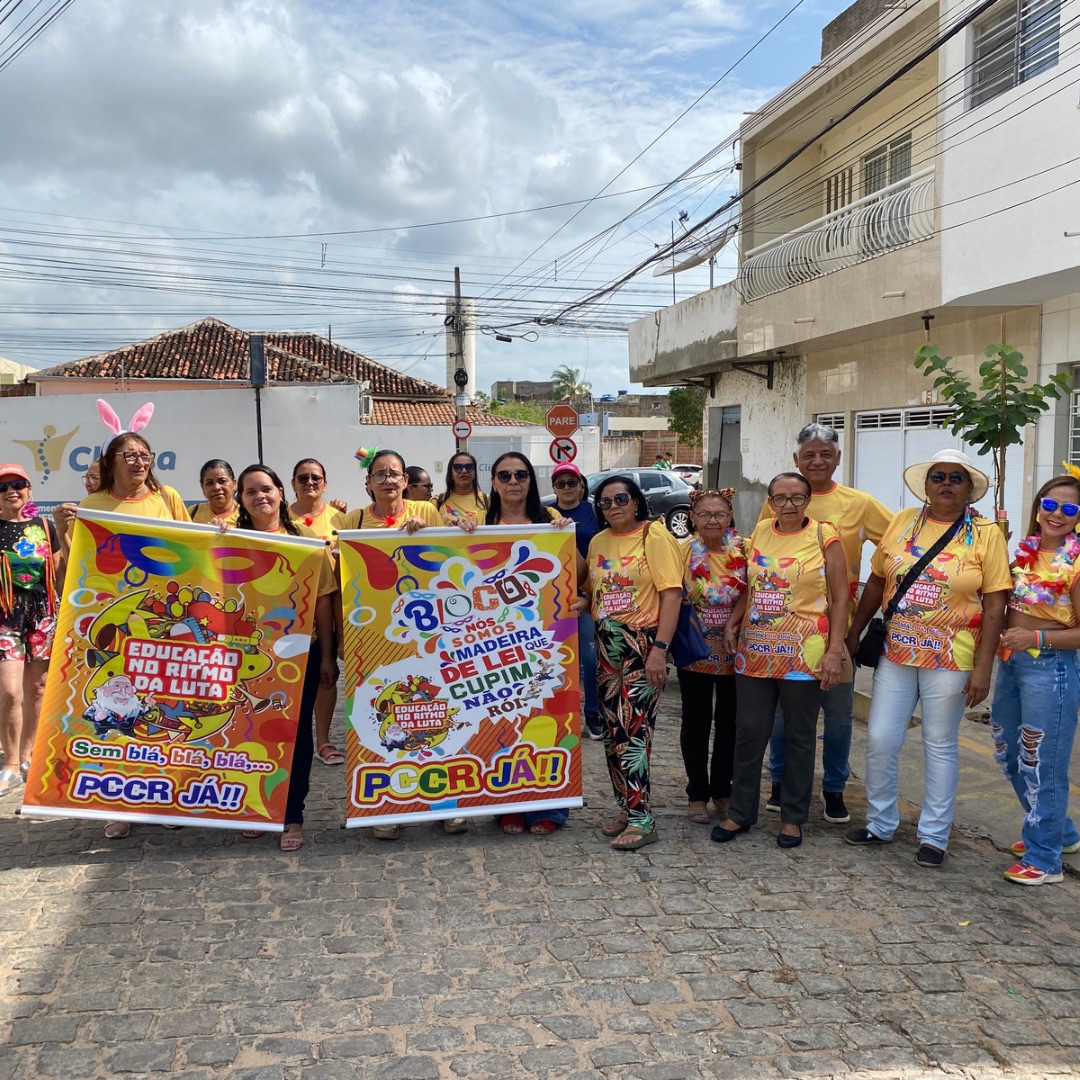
point(663, 646)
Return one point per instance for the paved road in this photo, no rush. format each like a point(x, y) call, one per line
point(197, 954)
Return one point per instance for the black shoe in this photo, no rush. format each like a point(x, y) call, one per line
point(930, 856)
point(835, 810)
point(862, 837)
point(721, 835)
point(786, 840)
point(772, 803)
point(593, 728)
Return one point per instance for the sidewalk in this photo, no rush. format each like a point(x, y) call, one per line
point(200, 955)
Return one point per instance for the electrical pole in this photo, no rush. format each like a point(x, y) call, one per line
point(456, 326)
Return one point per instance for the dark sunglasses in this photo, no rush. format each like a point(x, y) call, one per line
point(617, 500)
point(309, 478)
point(562, 485)
point(505, 475)
point(1049, 505)
point(938, 477)
point(15, 485)
point(463, 466)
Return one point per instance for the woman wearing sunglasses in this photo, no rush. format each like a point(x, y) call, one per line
point(515, 500)
point(311, 509)
point(714, 579)
point(939, 649)
point(29, 561)
point(635, 572)
point(463, 497)
point(792, 619)
point(419, 485)
point(1037, 695)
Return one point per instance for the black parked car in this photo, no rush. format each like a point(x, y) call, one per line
point(667, 493)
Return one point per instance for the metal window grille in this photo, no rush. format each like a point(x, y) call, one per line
point(833, 420)
point(839, 189)
point(1014, 42)
point(1074, 428)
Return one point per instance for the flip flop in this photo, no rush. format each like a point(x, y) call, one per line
point(614, 827)
point(512, 824)
point(292, 839)
point(700, 816)
point(252, 834)
point(117, 830)
point(9, 780)
point(638, 838)
point(543, 827)
point(329, 754)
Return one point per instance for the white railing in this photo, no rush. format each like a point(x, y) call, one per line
point(896, 215)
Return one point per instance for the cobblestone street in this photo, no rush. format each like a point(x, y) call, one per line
point(198, 954)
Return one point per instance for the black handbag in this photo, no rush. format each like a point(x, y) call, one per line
point(688, 644)
point(872, 643)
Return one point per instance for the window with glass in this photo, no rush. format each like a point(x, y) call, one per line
point(1015, 41)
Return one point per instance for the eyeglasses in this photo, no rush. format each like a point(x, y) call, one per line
point(463, 467)
point(505, 475)
point(15, 485)
point(622, 499)
point(386, 475)
point(784, 500)
point(1049, 505)
point(563, 485)
point(309, 478)
point(938, 477)
point(90, 478)
point(708, 515)
point(138, 457)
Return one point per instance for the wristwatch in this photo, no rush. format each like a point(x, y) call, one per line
point(663, 646)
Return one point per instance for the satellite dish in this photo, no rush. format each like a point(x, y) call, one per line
point(703, 250)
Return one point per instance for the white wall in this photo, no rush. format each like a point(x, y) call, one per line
point(1011, 144)
point(55, 438)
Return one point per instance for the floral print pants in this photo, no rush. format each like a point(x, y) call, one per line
point(628, 712)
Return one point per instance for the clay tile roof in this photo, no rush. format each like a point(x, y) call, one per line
point(211, 350)
point(429, 414)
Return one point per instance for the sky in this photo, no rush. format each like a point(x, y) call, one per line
point(325, 164)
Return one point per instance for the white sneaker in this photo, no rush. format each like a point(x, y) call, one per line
point(455, 825)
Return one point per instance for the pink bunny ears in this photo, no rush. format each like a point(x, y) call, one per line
point(112, 421)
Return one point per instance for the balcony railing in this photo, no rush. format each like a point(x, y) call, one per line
point(896, 215)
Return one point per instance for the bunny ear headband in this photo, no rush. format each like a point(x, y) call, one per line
point(112, 421)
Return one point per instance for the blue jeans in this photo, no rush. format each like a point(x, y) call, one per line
point(1034, 722)
point(897, 687)
point(837, 704)
point(586, 631)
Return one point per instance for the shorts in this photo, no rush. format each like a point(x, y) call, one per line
point(26, 632)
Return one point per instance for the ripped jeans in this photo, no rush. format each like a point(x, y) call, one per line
point(1033, 721)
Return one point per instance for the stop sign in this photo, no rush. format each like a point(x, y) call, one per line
point(561, 421)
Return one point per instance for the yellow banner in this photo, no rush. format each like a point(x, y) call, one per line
point(461, 672)
point(174, 685)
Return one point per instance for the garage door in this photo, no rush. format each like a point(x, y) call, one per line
point(888, 442)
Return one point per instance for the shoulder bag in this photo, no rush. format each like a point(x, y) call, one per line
point(872, 644)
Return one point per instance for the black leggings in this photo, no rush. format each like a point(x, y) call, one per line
point(708, 707)
point(304, 750)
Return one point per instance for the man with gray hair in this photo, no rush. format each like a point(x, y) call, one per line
point(858, 517)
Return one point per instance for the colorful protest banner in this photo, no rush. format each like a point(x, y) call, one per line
point(175, 678)
point(461, 672)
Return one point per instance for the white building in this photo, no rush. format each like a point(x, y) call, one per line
point(950, 191)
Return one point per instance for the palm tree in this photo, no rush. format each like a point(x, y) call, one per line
point(566, 382)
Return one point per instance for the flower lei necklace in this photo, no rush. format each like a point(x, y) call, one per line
point(1061, 565)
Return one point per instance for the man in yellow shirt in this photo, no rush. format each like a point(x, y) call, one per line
point(859, 518)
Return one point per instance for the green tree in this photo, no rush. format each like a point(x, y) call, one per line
point(992, 416)
point(687, 409)
point(531, 411)
point(566, 382)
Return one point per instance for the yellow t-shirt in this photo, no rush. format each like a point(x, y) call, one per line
point(856, 516)
point(323, 524)
point(366, 519)
point(714, 581)
point(203, 515)
point(1042, 586)
point(939, 620)
point(786, 627)
point(164, 504)
point(627, 573)
point(551, 512)
point(465, 506)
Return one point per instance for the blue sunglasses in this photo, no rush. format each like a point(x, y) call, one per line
point(1068, 509)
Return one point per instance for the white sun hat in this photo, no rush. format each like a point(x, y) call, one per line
point(915, 475)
